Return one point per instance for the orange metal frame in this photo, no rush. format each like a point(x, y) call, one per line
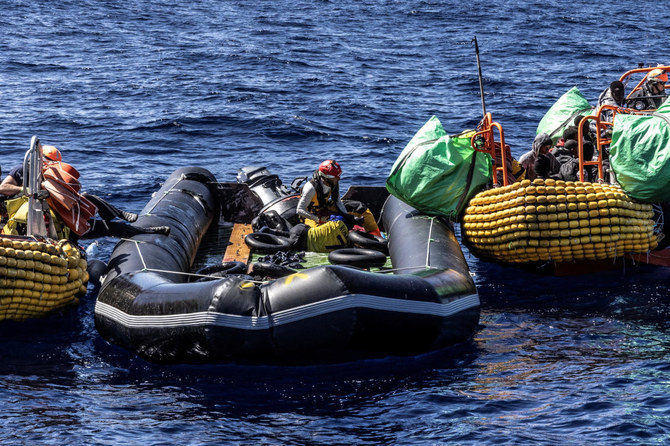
point(485, 132)
point(624, 77)
point(498, 150)
point(603, 125)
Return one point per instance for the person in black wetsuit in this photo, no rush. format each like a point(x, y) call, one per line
point(105, 226)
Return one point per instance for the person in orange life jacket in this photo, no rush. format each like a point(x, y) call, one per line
point(320, 201)
point(12, 186)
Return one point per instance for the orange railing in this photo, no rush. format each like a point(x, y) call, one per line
point(602, 141)
point(484, 141)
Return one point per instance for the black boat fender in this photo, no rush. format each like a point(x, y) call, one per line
point(362, 239)
point(267, 242)
point(95, 268)
point(360, 257)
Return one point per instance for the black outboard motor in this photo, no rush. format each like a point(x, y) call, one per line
point(277, 199)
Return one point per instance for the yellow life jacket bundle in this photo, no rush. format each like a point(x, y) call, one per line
point(327, 237)
point(17, 212)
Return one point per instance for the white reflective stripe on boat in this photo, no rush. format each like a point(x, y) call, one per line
point(289, 316)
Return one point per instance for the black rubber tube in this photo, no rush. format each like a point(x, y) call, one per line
point(360, 257)
point(368, 241)
point(267, 243)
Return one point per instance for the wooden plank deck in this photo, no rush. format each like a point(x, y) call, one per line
point(238, 251)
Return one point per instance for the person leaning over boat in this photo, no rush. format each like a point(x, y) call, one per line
point(541, 146)
point(320, 199)
point(12, 187)
point(652, 94)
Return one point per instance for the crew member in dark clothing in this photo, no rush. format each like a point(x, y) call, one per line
point(106, 226)
point(569, 170)
point(614, 96)
point(652, 94)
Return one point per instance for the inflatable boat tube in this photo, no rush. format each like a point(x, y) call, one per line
point(220, 270)
point(323, 314)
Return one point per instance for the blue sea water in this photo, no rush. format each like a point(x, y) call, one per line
point(130, 91)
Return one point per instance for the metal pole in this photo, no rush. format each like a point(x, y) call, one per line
point(32, 179)
point(481, 83)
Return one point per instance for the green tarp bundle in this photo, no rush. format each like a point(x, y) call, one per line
point(431, 173)
point(562, 114)
point(640, 154)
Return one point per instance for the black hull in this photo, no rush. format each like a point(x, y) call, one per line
point(322, 314)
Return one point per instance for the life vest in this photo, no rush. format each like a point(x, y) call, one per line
point(369, 223)
point(17, 212)
point(62, 183)
point(63, 173)
point(322, 203)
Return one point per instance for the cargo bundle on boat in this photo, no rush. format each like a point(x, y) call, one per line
point(550, 225)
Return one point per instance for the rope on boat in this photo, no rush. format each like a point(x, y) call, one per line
point(145, 268)
point(155, 270)
point(181, 178)
point(430, 239)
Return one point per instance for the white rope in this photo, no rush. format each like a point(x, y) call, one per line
point(430, 239)
point(183, 177)
point(182, 273)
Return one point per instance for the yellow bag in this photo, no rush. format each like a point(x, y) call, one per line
point(327, 237)
point(17, 211)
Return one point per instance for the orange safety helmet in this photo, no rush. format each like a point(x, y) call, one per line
point(51, 153)
point(330, 169)
point(657, 75)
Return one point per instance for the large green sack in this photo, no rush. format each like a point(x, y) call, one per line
point(431, 173)
point(640, 154)
point(562, 114)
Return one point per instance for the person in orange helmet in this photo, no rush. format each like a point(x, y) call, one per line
point(652, 94)
point(13, 183)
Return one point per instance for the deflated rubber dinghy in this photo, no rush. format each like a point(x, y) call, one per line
point(323, 314)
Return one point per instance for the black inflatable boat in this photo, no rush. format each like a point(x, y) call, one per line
point(328, 313)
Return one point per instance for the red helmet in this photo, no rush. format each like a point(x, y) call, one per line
point(330, 169)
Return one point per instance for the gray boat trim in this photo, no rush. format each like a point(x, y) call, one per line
point(284, 317)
